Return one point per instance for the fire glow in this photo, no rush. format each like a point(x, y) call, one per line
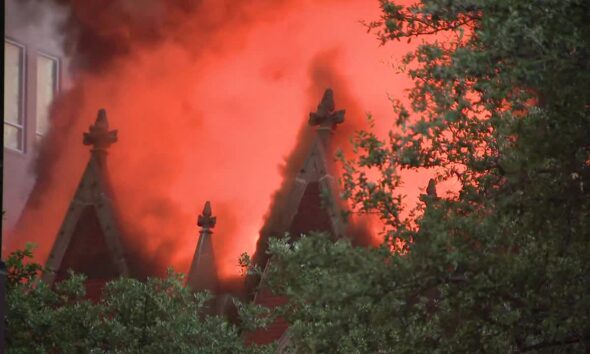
point(209, 100)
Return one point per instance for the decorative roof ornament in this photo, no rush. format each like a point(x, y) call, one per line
point(206, 221)
point(98, 134)
point(325, 116)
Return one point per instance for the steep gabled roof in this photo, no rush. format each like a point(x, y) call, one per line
point(311, 201)
point(89, 239)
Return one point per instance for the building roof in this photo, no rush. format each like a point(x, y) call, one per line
point(89, 239)
point(311, 203)
point(311, 198)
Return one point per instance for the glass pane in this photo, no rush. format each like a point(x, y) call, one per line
point(12, 83)
point(12, 137)
point(46, 87)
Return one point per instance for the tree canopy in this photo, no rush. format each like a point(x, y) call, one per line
point(501, 263)
point(155, 316)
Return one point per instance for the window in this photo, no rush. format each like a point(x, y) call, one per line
point(47, 74)
point(13, 96)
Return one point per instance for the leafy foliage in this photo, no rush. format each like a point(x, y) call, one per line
point(501, 109)
point(19, 270)
point(156, 316)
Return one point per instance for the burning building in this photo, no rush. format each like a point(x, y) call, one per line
point(207, 98)
point(91, 240)
point(190, 131)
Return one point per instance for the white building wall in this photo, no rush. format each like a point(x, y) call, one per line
point(31, 26)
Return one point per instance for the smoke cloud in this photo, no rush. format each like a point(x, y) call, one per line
point(210, 98)
point(37, 24)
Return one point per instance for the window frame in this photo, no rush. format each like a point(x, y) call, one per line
point(56, 88)
point(22, 98)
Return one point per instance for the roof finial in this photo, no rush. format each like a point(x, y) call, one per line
point(206, 220)
point(431, 189)
point(325, 116)
point(99, 135)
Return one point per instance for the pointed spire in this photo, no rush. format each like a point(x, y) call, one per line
point(325, 116)
point(202, 274)
point(98, 134)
